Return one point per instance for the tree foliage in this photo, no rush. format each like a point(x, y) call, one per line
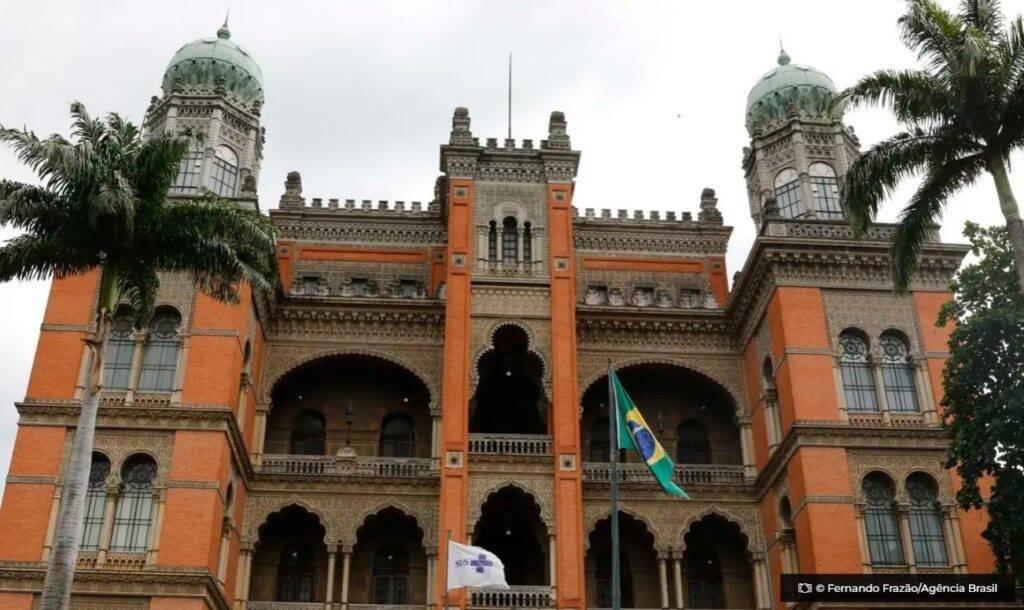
point(962, 113)
point(984, 392)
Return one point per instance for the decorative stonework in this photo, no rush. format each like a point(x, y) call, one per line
point(871, 312)
point(511, 301)
point(898, 466)
point(482, 485)
point(119, 445)
point(538, 333)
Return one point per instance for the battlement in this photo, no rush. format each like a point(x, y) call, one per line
point(292, 199)
point(708, 214)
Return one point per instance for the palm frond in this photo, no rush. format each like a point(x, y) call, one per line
point(32, 257)
point(914, 96)
point(932, 32)
point(138, 284)
point(985, 15)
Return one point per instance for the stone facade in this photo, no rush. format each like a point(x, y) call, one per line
point(439, 369)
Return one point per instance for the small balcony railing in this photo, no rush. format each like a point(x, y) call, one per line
point(391, 467)
point(284, 605)
point(516, 596)
point(685, 474)
point(510, 444)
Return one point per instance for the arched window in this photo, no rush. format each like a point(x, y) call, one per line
point(898, 374)
point(309, 434)
point(789, 194)
point(786, 513)
point(492, 242)
point(95, 502)
point(160, 354)
point(391, 575)
point(926, 532)
point(119, 352)
point(883, 532)
point(855, 371)
point(692, 445)
point(824, 191)
point(600, 448)
point(704, 583)
point(527, 243)
point(190, 172)
point(768, 373)
point(396, 436)
point(295, 574)
point(224, 176)
point(509, 241)
point(133, 518)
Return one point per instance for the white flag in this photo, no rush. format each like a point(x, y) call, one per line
point(472, 566)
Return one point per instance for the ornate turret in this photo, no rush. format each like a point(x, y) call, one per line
point(217, 62)
point(799, 148)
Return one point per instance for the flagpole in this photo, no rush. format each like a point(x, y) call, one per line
point(613, 458)
point(447, 551)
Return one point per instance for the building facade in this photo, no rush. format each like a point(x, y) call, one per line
point(435, 369)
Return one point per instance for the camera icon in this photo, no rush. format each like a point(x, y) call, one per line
point(804, 587)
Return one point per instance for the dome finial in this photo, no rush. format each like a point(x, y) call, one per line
point(783, 56)
point(224, 32)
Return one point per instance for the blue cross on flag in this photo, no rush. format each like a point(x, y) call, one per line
point(472, 566)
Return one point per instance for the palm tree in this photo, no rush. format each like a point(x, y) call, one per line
point(963, 114)
point(103, 206)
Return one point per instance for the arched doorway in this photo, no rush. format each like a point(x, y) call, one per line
point(290, 558)
point(510, 527)
point(389, 564)
point(716, 566)
point(509, 397)
point(347, 401)
point(638, 565)
point(692, 416)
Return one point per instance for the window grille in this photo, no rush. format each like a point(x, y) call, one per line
point(509, 241)
point(189, 172)
point(898, 375)
point(160, 354)
point(95, 502)
point(789, 194)
point(883, 532)
point(134, 515)
point(855, 371)
point(926, 532)
point(118, 353)
point(224, 176)
point(825, 191)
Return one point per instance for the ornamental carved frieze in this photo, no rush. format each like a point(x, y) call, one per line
point(725, 371)
point(597, 511)
point(598, 240)
point(654, 333)
point(119, 445)
point(280, 358)
point(871, 312)
point(511, 301)
point(335, 322)
point(334, 230)
point(341, 515)
point(482, 485)
point(177, 290)
point(898, 465)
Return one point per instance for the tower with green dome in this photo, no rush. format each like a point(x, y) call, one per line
point(214, 85)
point(799, 147)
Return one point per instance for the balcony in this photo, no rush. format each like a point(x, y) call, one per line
point(685, 474)
point(516, 596)
point(510, 444)
point(388, 467)
point(285, 605)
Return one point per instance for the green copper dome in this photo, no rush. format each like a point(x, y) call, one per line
point(212, 62)
point(789, 85)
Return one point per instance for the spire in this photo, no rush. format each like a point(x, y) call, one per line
point(783, 56)
point(224, 32)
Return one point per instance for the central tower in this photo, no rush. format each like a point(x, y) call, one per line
point(509, 359)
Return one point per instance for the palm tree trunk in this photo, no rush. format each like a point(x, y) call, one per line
point(60, 572)
point(1014, 223)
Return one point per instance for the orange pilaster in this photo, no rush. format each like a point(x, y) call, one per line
point(454, 426)
point(565, 408)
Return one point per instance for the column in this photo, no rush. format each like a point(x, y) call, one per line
point(925, 398)
point(225, 548)
point(431, 575)
point(769, 424)
point(663, 580)
point(158, 521)
point(346, 564)
point(133, 374)
point(51, 527)
point(552, 564)
point(243, 401)
point(242, 578)
point(482, 251)
point(883, 404)
point(747, 448)
point(108, 523)
point(258, 432)
point(677, 574)
point(179, 373)
point(762, 589)
point(519, 250)
point(435, 440)
point(332, 551)
point(862, 538)
point(840, 396)
point(908, 545)
point(957, 541)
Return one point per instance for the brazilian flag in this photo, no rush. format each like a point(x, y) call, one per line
point(636, 435)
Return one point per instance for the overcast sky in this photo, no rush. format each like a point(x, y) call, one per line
point(360, 94)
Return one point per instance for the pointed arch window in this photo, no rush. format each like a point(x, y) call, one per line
point(882, 529)
point(391, 576)
point(789, 194)
point(509, 240)
point(95, 502)
point(855, 371)
point(492, 242)
point(527, 243)
point(309, 436)
point(397, 436)
point(898, 374)
point(224, 176)
point(119, 352)
point(160, 354)
point(190, 172)
point(926, 532)
point(825, 191)
point(692, 444)
point(133, 518)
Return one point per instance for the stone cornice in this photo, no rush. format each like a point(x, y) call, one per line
point(322, 316)
point(647, 236)
point(352, 226)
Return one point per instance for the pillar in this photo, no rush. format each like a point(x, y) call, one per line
point(925, 398)
point(242, 577)
point(663, 580)
point(108, 524)
point(552, 563)
point(158, 522)
point(762, 588)
point(431, 575)
point(51, 527)
point(837, 375)
point(747, 447)
point(332, 551)
point(677, 574)
point(258, 433)
point(862, 538)
point(957, 542)
point(179, 373)
point(346, 564)
point(883, 404)
point(908, 544)
point(225, 548)
point(133, 373)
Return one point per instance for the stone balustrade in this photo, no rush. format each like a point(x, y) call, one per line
point(391, 467)
point(510, 444)
point(516, 596)
point(685, 474)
